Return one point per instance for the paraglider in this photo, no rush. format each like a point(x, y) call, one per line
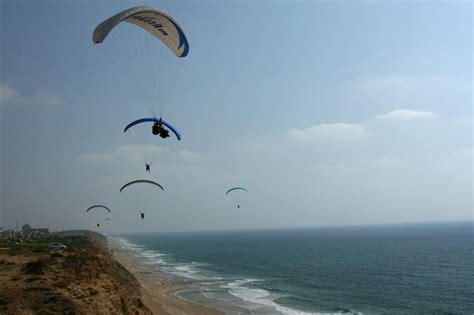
point(160, 24)
point(158, 127)
point(98, 206)
point(148, 58)
point(236, 188)
point(139, 193)
point(141, 181)
point(155, 65)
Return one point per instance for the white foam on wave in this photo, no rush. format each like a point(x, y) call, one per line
point(189, 270)
point(259, 296)
point(154, 258)
point(186, 268)
point(240, 288)
point(128, 245)
point(149, 257)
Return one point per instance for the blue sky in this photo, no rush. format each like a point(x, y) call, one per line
point(329, 112)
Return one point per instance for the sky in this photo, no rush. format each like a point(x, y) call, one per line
point(328, 112)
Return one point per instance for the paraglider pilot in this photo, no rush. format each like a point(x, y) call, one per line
point(158, 129)
point(98, 225)
point(147, 167)
point(143, 215)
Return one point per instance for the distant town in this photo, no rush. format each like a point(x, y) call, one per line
point(26, 232)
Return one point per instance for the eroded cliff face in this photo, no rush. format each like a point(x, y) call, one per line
point(84, 279)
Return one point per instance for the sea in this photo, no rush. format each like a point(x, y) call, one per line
point(380, 269)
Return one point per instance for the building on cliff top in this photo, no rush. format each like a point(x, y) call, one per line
point(30, 232)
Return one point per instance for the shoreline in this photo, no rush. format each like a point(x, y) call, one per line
point(158, 294)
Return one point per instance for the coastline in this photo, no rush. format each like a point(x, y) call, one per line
point(158, 293)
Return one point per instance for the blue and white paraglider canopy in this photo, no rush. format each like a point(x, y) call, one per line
point(159, 23)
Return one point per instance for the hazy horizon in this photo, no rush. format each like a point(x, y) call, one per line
point(329, 113)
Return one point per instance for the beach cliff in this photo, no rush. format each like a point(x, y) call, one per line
point(84, 279)
point(91, 276)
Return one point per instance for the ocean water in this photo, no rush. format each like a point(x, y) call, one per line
point(391, 269)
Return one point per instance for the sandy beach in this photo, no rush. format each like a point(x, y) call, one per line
point(158, 294)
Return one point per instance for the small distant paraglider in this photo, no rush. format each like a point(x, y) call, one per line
point(98, 207)
point(138, 193)
point(234, 189)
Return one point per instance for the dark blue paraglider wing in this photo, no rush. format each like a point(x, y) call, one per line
point(97, 206)
point(167, 124)
point(236, 188)
point(143, 181)
point(139, 121)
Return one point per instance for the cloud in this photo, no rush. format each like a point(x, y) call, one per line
point(137, 154)
point(397, 82)
point(331, 169)
point(384, 161)
point(361, 167)
point(124, 153)
point(188, 156)
point(407, 115)
point(329, 132)
point(467, 152)
point(7, 93)
point(38, 98)
point(42, 98)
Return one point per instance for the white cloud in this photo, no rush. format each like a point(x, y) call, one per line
point(124, 153)
point(7, 93)
point(138, 154)
point(42, 98)
point(407, 115)
point(361, 167)
point(330, 169)
point(467, 152)
point(384, 161)
point(188, 156)
point(397, 82)
point(38, 98)
point(329, 132)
